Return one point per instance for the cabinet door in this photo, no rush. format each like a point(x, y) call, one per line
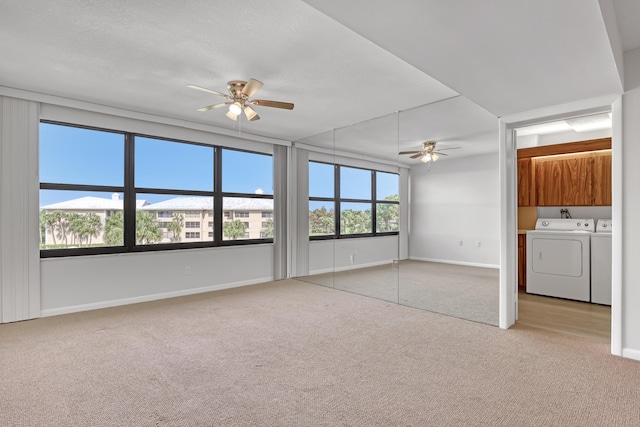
point(522, 261)
point(526, 190)
point(548, 181)
point(601, 179)
point(576, 181)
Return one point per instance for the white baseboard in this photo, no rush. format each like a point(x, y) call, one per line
point(350, 267)
point(631, 353)
point(147, 298)
point(448, 261)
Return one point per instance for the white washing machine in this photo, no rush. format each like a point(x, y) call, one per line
point(558, 258)
point(601, 263)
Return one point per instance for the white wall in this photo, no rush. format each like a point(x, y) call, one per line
point(89, 282)
point(631, 207)
point(453, 201)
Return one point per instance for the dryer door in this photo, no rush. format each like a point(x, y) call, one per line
point(559, 257)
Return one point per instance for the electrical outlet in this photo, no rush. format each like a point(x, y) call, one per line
point(460, 243)
point(351, 258)
point(187, 271)
point(478, 243)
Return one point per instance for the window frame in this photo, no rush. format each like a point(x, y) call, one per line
point(337, 201)
point(130, 192)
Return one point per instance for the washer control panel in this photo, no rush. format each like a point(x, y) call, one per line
point(565, 224)
point(603, 226)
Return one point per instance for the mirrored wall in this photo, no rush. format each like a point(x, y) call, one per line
point(398, 227)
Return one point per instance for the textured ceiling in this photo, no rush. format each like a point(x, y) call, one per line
point(344, 63)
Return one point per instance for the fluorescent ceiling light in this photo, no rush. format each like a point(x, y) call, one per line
point(576, 124)
point(589, 123)
point(544, 128)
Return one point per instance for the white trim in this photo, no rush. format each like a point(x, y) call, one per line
point(147, 298)
point(558, 112)
point(630, 353)
point(448, 261)
point(508, 293)
point(617, 235)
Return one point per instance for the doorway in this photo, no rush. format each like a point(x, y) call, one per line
point(509, 296)
point(564, 174)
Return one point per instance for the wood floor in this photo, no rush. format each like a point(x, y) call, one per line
point(591, 321)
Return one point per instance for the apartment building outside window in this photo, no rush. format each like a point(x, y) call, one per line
point(89, 203)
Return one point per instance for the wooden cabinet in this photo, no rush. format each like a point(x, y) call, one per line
point(601, 179)
point(526, 187)
point(571, 174)
point(548, 181)
point(522, 262)
point(575, 180)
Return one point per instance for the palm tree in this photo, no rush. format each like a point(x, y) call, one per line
point(147, 228)
point(234, 229)
point(75, 224)
point(175, 226)
point(50, 222)
point(43, 227)
point(93, 226)
point(267, 231)
point(114, 230)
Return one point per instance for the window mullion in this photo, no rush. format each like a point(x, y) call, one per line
point(374, 196)
point(336, 203)
point(129, 203)
point(218, 199)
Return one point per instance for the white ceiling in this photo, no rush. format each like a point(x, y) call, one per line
point(341, 63)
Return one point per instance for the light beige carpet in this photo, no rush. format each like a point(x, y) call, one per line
point(470, 293)
point(293, 354)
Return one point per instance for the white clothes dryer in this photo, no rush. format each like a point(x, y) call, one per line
point(601, 263)
point(558, 258)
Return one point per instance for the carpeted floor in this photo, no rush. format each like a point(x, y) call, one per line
point(289, 353)
point(470, 293)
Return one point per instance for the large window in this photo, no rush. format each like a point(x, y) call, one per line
point(105, 191)
point(82, 187)
point(351, 202)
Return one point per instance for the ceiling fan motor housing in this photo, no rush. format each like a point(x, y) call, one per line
point(235, 88)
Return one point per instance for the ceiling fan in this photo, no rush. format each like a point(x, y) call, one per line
point(238, 99)
point(428, 152)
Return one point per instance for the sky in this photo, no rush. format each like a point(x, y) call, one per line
point(70, 155)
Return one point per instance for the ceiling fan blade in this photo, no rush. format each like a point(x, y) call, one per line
point(448, 148)
point(207, 90)
point(251, 87)
point(275, 104)
point(250, 113)
point(231, 116)
point(415, 156)
point(410, 152)
point(211, 107)
point(439, 153)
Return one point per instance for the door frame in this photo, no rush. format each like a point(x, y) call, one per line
point(508, 313)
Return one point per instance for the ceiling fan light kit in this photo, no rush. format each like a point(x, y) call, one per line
point(239, 93)
point(428, 153)
point(235, 108)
